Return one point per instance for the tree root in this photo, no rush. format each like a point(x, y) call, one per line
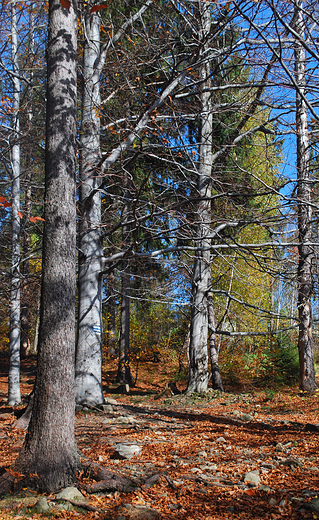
point(107, 480)
point(12, 481)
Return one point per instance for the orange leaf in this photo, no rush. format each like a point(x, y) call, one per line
point(34, 219)
point(15, 474)
point(20, 214)
point(3, 199)
point(249, 492)
point(65, 3)
point(96, 8)
point(7, 204)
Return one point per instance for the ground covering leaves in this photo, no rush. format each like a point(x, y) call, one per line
point(195, 453)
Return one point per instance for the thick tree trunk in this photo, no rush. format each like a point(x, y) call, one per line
point(88, 364)
point(198, 354)
point(14, 396)
point(307, 378)
point(49, 458)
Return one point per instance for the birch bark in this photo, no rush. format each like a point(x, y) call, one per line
point(198, 353)
point(14, 396)
point(88, 363)
point(307, 379)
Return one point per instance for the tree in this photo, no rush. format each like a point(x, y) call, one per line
point(304, 196)
point(88, 361)
point(198, 355)
point(49, 457)
point(14, 396)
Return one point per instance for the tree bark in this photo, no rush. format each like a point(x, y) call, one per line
point(49, 458)
point(14, 396)
point(198, 354)
point(307, 379)
point(217, 382)
point(88, 364)
point(124, 372)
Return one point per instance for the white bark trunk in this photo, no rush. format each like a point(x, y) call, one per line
point(198, 354)
point(307, 380)
point(14, 396)
point(88, 364)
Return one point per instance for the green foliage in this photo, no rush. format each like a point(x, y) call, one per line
point(279, 363)
point(269, 362)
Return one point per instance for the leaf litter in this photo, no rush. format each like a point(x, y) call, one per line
point(195, 454)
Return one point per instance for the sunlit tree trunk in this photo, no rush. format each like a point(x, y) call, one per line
point(14, 396)
point(88, 364)
point(307, 380)
point(198, 353)
point(49, 457)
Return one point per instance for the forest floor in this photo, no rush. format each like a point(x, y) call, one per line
point(240, 455)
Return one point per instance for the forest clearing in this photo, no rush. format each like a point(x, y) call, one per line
point(239, 455)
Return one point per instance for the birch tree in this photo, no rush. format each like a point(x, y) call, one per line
point(14, 396)
point(198, 354)
point(88, 361)
point(304, 196)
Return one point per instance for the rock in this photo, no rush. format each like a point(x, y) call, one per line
point(231, 509)
point(42, 506)
point(246, 417)
point(108, 400)
point(280, 447)
point(108, 408)
point(124, 419)
point(221, 440)
point(252, 478)
point(70, 493)
point(78, 407)
point(202, 454)
point(264, 488)
point(272, 502)
point(138, 513)
point(292, 463)
point(126, 451)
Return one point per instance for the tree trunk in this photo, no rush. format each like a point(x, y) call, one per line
point(49, 458)
point(88, 364)
point(217, 382)
point(14, 396)
point(307, 380)
point(124, 372)
point(111, 307)
point(198, 354)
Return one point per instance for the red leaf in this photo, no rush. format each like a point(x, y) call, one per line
point(7, 204)
point(34, 219)
point(96, 8)
point(20, 214)
point(250, 492)
point(65, 3)
point(3, 199)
